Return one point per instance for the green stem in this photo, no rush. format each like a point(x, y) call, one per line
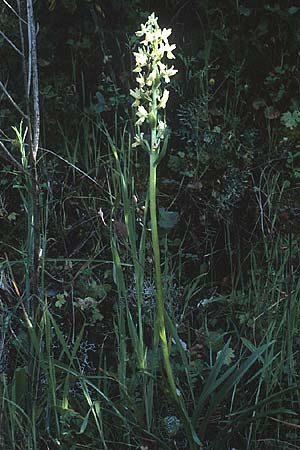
point(160, 313)
point(160, 318)
point(159, 287)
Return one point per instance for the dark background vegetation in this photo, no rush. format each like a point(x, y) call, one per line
point(228, 193)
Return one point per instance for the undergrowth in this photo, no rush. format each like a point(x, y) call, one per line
point(167, 308)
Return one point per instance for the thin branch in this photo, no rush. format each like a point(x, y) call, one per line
point(71, 165)
point(12, 159)
point(12, 100)
point(14, 11)
point(11, 43)
point(23, 57)
point(29, 63)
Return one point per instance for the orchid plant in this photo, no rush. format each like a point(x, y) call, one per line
point(150, 100)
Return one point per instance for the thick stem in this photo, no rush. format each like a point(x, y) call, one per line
point(160, 312)
point(160, 317)
point(159, 286)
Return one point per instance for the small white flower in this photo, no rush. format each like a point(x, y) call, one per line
point(169, 50)
point(161, 127)
point(149, 38)
point(163, 101)
point(160, 51)
point(157, 35)
point(141, 58)
point(137, 69)
point(152, 20)
point(162, 67)
point(141, 81)
point(169, 73)
point(142, 31)
point(138, 138)
point(165, 34)
point(142, 114)
point(137, 95)
point(151, 78)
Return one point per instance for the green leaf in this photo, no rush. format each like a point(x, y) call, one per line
point(229, 356)
point(167, 219)
point(60, 300)
point(100, 105)
point(271, 8)
point(12, 217)
point(97, 291)
point(20, 384)
point(85, 422)
point(244, 11)
point(291, 119)
point(293, 10)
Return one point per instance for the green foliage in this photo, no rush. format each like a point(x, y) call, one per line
point(291, 119)
point(167, 219)
point(84, 369)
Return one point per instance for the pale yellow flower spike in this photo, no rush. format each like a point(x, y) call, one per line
point(150, 96)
